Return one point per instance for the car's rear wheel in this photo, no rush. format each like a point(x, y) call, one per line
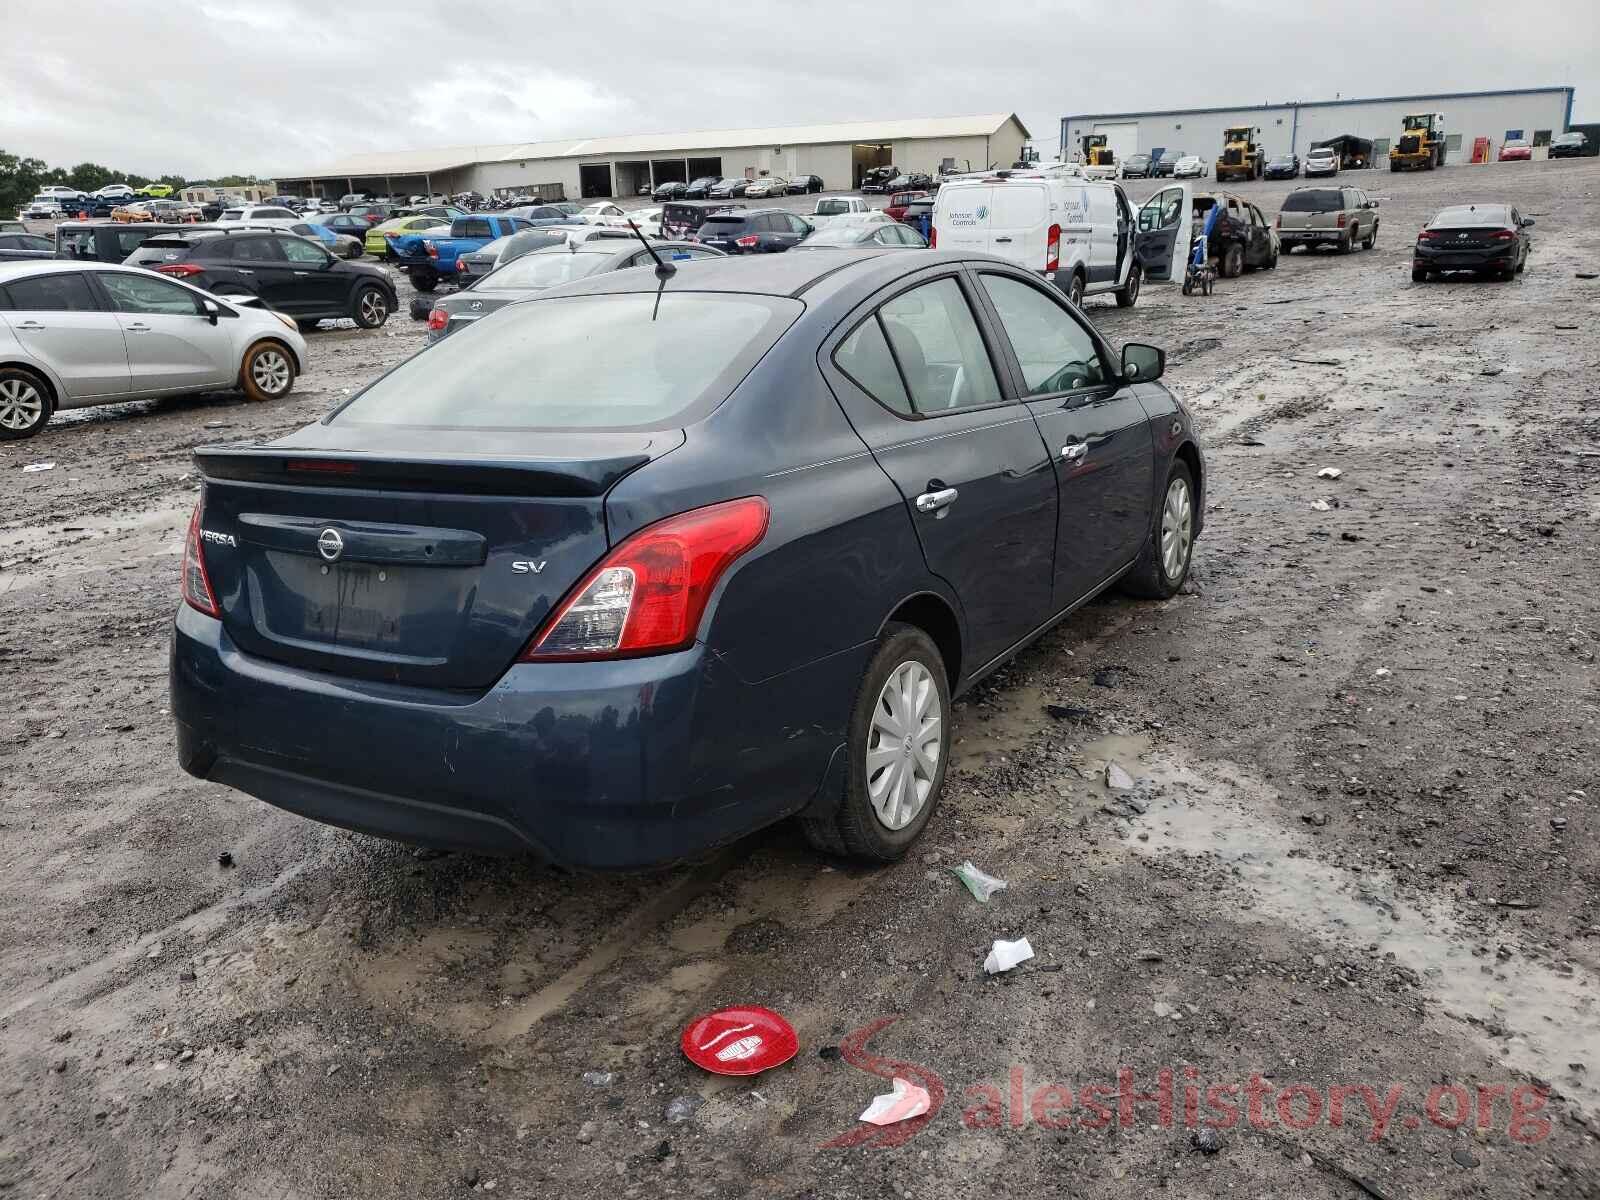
point(1075, 289)
point(1233, 261)
point(1128, 293)
point(267, 373)
point(1371, 240)
point(1163, 564)
point(1418, 275)
point(424, 280)
point(899, 743)
point(25, 404)
point(370, 308)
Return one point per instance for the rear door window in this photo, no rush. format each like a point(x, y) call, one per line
point(58, 292)
point(939, 349)
point(865, 357)
point(253, 249)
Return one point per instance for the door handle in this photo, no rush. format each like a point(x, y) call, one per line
point(302, 272)
point(242, 271)
point(138, 328)
point(1002, 239)
point(934, 501)
point(31, 325)
point(1074, 451)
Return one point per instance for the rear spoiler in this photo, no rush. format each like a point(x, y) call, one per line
point(417, 473)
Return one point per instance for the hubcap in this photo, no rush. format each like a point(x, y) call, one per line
point(372, 307)
point(1177, 529)
point(20, 403)
point(904, 745)
point(270, 370)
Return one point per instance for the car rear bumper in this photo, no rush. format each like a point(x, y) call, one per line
point(609, 765)
point(1310, 237)
point(1495, 258)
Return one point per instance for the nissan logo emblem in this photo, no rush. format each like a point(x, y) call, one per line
point(330, 545)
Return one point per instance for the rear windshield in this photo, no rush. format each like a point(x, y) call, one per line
point(721, 226)
point(1483, 214)
point(159, 249)
point(1314, 200)
point(832, 208)
point(545, 268)
point(629, 361)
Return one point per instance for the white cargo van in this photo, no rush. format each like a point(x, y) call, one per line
point(1076, 232)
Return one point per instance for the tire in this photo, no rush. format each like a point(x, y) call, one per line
point(1188, 284)
point(369, 307)
point(1522, 264)
point(857, 827)
point(1394, 167)
point(1233, 261)
point(1418, 275)
point(1075, 289)
point(1371, 240)
point(1157, 575)
point(308, 324)
point(25, 404)
point(424, 279)
point(1272, 261)
point(1348, 242)
point(1128, 294)
point(267, 372)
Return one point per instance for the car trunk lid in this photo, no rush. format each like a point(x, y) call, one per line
point(404, 555)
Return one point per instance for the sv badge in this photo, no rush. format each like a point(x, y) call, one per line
point(523, 567)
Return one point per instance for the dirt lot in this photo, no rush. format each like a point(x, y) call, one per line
point(1361, 852)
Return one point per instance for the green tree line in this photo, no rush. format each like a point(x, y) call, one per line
point(22, 177)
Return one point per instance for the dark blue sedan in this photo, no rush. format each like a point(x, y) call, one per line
point(645, 564)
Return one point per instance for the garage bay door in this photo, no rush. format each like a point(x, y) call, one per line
point(1121, 136)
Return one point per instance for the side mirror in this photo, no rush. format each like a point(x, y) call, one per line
point(1372, 204)
point(1141, 363)
point(1526, 222)
point(213, 310)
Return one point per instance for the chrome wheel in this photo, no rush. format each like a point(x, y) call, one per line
point(1177, 529)
point(373, 309)
point(270, 371)
point(904, 745)
point(21, 404)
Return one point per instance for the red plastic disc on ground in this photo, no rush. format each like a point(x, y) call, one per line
point(744, 1040)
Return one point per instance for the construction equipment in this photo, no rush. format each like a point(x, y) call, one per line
point(1241, 154)
point(1095, 151)
point(1421, 145)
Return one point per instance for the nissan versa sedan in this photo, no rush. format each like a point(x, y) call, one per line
point(659, 558)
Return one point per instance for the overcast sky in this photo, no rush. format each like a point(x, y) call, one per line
point(201, 87)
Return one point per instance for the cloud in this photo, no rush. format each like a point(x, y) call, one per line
point(207, 86)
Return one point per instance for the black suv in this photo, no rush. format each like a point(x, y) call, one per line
point(293, 275)
point(752, 231)
point(109, 241)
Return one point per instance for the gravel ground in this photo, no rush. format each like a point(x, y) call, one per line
point(1360, 850)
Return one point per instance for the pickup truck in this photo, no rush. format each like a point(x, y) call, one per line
point(427, 258)
point(829, 207)
point(1327, 216)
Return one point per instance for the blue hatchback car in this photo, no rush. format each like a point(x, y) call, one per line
point(656, 559)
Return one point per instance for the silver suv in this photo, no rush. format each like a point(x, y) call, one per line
point(1328, 216)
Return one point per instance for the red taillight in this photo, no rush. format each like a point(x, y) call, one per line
point(1501, 235)
point(647, 596)
point(437, 320)
point(747, 241)
point(1340, 221)
point(1278, 221)
point(181, 270)
point(933, 237)
point(1427, 235)
point(197, 593)
point(1052, 249)
point(433, 251)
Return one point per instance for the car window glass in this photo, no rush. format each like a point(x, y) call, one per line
point(1055, 352)
point(474, 229)
point(298, 250)
point(864, 356)
point(68, 292)
point(940, 351)
point(143, 294)
point(255, 249)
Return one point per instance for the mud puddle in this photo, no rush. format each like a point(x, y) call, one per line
point(1532, 1017)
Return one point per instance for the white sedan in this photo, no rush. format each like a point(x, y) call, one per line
point(1190, 166)
point(602, 213)
point(75, 334)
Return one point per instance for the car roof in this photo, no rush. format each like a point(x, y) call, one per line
point(42, 266)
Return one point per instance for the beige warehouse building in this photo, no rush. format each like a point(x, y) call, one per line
point(592, 168)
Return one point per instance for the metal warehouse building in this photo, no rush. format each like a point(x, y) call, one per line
point(590, 168)
point(1537, 114)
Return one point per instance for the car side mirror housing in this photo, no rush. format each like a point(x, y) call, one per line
point(1141, 363)
point(213, 310)
point(1527, 222)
